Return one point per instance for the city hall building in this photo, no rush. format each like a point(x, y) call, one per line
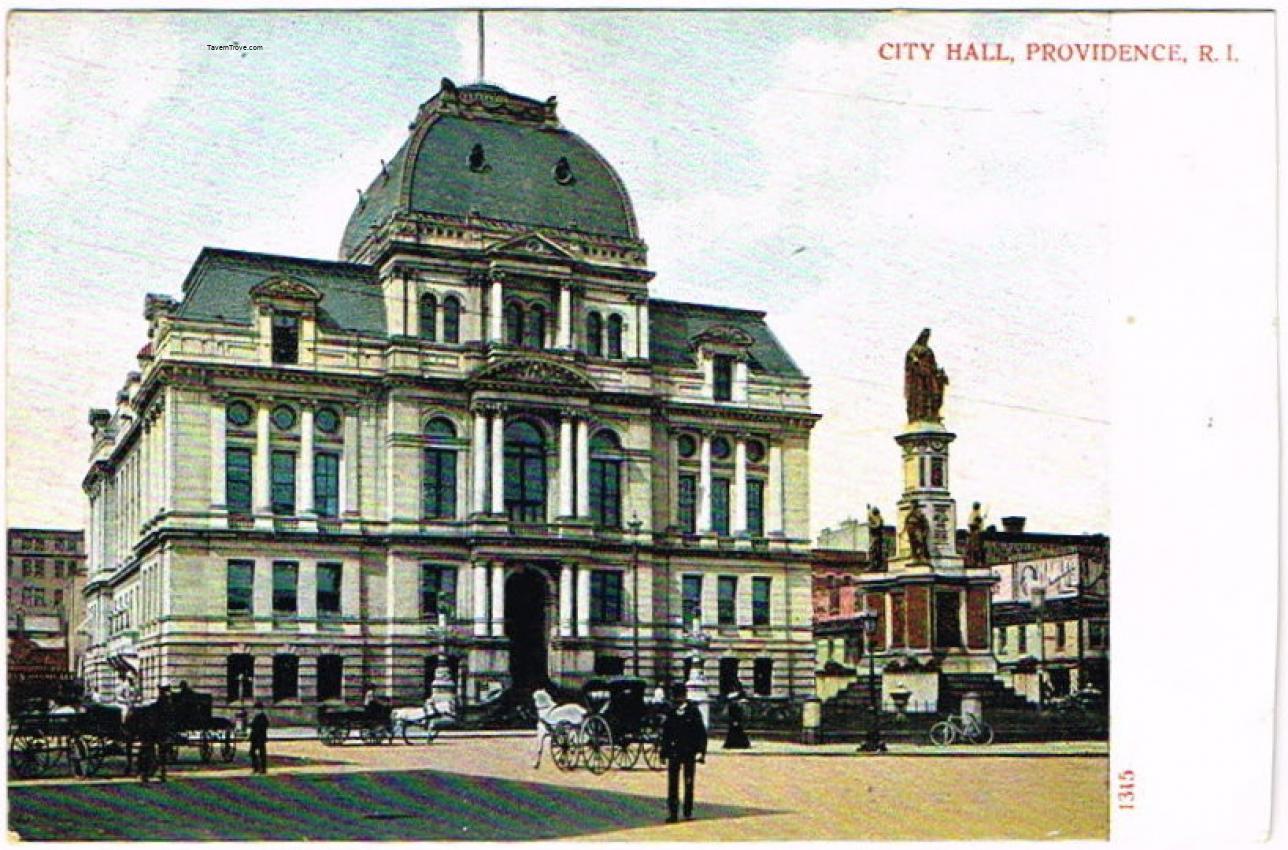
point(474, 441)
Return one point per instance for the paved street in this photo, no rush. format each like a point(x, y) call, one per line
point(484, 788)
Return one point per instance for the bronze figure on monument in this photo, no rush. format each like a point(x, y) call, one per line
point(918, 528)
point(974, 554)
point(923, 382)
point(876, 547)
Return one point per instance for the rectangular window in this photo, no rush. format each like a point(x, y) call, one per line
point(329, 577)
point(286, 338)
point(722, 377)
point(727, 601)
point(237, 478)
point(755, 507)
point(606, 493)
point(948, 621)
point(58, 569)
point(720, 506)
point(326, 483)
point(285, 583)
point(437, 588)
point(605, 596)
point(610, 665)
point(729, 676)
point(38, 596)
point(687, 504)
point(1001, 638)
point(692, 599)
point(763, 677)
point(1059, 635)
point(1097, 634)
point(241, 677)
point(760, 601)
point(283, 474)
point(1023, 643)
point(58, 596)
point(330, 677)
point(439, 496)
point(286, 677)
point(241, 588)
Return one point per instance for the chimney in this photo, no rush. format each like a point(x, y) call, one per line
point(1013, 524)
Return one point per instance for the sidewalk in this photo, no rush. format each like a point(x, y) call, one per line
point(770, 747)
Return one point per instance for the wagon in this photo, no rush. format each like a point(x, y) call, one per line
point(193, 724)
point(620, 729)
point(40, 740)
point(373, 723)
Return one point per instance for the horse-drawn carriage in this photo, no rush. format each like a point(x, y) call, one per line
point(39, 740)
point(373, 723)
point(617, 727)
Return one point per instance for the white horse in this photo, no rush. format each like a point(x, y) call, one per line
point(420, 715)
point(549, 716)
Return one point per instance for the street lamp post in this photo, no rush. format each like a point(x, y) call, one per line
point(873, 742)
point(635, 526)
point(1037, 598)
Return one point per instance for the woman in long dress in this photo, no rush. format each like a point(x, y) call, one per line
point(736, 739)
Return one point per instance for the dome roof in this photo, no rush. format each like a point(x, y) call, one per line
point(481, 150)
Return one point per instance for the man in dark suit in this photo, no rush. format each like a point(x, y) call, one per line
point(684, 744)
point(259, 740)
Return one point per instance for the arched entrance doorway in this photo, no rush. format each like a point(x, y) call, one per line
point(526, 598)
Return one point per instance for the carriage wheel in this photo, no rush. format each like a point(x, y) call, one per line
point(627, 755)
point(651, 749)
point(598, 743)
point(207, 746)
point(228, 746)
point(27, 755)
point(562, 750)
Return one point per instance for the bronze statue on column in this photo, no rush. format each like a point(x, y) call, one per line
point(923, 381)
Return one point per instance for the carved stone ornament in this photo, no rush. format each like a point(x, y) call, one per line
point(532, 243)
point(723, 335)
point(529, 371)
point(285, 288)
point(474, 102)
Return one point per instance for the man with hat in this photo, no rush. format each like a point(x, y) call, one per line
point(684, 744)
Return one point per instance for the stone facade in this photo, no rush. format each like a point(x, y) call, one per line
point(476, 440)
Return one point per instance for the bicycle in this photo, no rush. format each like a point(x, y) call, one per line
point(966, 728)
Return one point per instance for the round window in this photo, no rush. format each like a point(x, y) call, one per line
point(284, 417)
point(327, 421)
point(239, 414)
point(563, 172)
point(755, 451)
point(720, 448)
point(686, 445)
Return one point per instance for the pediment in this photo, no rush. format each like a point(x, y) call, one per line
point(532, 244)
point(727, 335)
point(285, 288)
point(530, 372)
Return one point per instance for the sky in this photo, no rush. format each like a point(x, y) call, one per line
point(773, 160)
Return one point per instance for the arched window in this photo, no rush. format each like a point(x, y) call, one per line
point(451, 319)
point(514, 323)
point(536, 336)
point(606, 480)
point(594, 335)
point(438, 494)
point(525, 473)
point(615, 337)
point(428, 316)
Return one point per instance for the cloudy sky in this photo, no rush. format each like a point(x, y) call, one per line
point(774, 162)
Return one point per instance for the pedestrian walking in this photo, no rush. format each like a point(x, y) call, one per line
point(259, 740)
point(684, 744)
point(736, 707)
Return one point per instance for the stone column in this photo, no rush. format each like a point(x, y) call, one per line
point(304, 479)
point(774, 492)
point(565, 464)
point(349, 464)
point(739, 381)
point(565, 315)
point(262, 499)
point(583, 468)
point(498, 461)
point(739, 496)
point(583, 600)
point(565, 600)
point(498, 599)
point(478, 459)
point(496, 308)
point(480, 599)
point(218, 455)
point(704, 484)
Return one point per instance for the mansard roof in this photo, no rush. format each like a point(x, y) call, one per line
point(219, 289)
point(674, 325)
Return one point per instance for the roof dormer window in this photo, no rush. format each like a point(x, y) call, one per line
point(478, 160)
point(563, 172)
point(286, 338)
